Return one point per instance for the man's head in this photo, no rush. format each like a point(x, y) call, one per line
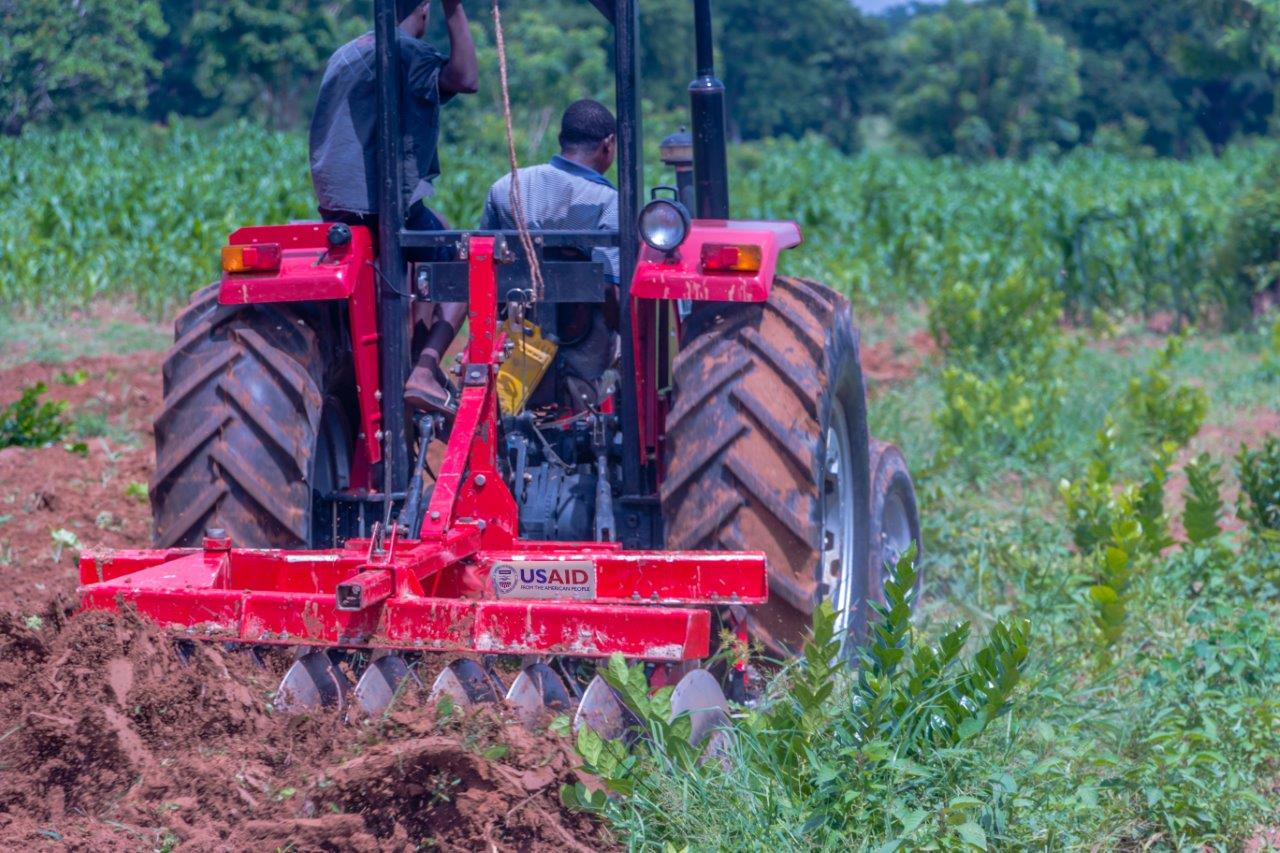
point(589, 134)
point(413, 15)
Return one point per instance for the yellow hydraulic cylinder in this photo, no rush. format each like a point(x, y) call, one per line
point(528, 361)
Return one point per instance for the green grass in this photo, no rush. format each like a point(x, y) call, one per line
point(60, 339)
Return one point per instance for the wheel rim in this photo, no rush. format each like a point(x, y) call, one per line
point(838, 570)
point(895, 530)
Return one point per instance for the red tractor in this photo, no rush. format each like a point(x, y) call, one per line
point(726, 481)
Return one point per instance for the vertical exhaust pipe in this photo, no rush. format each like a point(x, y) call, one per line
point(706, 103)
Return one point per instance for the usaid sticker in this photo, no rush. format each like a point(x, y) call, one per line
point(544, 579)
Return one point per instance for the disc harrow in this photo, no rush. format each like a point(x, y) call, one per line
point(320, 679)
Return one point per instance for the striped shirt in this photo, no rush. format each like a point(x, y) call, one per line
point(558, 196)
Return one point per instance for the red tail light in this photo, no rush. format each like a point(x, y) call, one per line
point(258, 257)
point(725, 257)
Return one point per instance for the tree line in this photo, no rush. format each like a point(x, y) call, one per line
point(983, 79)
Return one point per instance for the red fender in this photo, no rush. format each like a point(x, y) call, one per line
point(310, 271)
point(680, 274)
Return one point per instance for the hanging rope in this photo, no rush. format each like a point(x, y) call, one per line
point(517, 203)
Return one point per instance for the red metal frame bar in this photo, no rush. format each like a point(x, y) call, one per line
point(646, 603)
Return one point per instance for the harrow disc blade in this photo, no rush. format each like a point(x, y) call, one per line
point(466, 683)
point(381, 681)
point(601, 710)
point(700, 695)
point(537, 687)
point(314, 681)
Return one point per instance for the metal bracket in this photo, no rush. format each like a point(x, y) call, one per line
point(502, 253)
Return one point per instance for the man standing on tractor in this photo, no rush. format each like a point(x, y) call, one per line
point(344, 145)
point(571, 193)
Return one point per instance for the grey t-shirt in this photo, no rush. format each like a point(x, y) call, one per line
point(344, 127)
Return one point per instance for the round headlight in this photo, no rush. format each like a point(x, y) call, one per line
point(664, 224)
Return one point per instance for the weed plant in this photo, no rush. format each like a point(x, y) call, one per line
point(30, 421)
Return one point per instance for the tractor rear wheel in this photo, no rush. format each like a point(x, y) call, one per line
point(251, 429)
point(767, 449)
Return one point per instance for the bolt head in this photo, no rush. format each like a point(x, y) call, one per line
point(435, 515)
point(480, 480)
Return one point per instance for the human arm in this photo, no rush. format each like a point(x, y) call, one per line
point(461, 74)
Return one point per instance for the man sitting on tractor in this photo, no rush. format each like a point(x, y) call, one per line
point(571, 193)
point(344, 145)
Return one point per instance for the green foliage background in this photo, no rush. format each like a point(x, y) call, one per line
point(1108, 232)
point(993, 78)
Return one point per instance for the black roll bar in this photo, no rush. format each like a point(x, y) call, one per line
point(393, 304)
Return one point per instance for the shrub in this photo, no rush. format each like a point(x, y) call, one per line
point(28, 422)
point(1001, 393)
point(1259, 501)
point(1149, 507)
point(1117, 524)
point(1089, 499)
point(1117, 563)
point(1010, 324)
point(1004, 414)
point(1202, 507)
point(1166, 411)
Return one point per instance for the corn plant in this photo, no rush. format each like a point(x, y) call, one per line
point(1110, 233)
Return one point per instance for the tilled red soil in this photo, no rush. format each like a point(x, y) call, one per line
point(892, 359)
point(97, 498)
point(109, 740)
